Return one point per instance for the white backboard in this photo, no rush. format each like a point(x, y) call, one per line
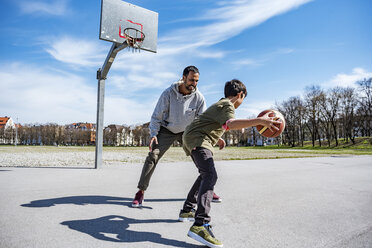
point(116, 15)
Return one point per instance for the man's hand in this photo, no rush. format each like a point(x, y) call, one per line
point(153, 139)
point(221, 143)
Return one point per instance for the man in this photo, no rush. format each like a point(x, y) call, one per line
point(177, 107)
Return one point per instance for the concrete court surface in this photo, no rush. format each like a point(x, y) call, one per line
point(309, 202)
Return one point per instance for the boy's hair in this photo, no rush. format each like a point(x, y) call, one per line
point(233, 87)
point(190, 68)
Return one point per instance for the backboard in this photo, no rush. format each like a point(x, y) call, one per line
point(117, 15)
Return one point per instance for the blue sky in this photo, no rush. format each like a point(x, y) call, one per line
point(50, 53)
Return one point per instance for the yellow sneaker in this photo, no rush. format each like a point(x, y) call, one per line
point(204, 235)
point(187, 216)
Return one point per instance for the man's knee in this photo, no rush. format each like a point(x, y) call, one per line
point(153, 157)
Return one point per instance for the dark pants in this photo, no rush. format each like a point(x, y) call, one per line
point(201, 193)
point(165, 140)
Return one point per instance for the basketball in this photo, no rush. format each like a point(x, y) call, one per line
point(264, 131)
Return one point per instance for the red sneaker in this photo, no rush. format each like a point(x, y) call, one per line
point(216, 198)
point(138, 199)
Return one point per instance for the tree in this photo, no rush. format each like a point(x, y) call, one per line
point(365, 106)
point(330, 106)
point(313, 95)
point(348, 106)
point(293, 111)
point(127, 134)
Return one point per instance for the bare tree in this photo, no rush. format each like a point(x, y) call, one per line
point(145, 134)
point(2, 135)
point(137, 135)
point(60, 135)
point(120, 135)
point(330, 106)
point(313, 95)
point(348, 106)
point(127, 134)
point(365, 107)
point(293, 110)
point(110, 134)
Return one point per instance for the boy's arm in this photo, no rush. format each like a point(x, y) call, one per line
point(268, 122)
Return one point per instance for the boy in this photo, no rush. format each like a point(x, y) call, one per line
point(198, 141)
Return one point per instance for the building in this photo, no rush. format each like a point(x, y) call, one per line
point(113, 135)
point(86, 130)
point(6, 122)
point(255, 139)
point(7, 130)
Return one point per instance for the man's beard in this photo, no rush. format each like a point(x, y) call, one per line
point(190, 87)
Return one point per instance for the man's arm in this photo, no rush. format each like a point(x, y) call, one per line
point(202, 105)
point(157, 117)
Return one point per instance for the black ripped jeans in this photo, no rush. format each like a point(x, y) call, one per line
point(201, 193)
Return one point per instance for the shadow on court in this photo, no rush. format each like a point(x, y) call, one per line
point(114, 228)
point(93, 199)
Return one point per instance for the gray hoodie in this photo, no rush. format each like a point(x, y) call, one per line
point(175, 111)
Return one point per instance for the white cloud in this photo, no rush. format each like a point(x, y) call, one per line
point(262, 59)
point(348, 80)
point(139, 70)
point(211, 54)
point(247, 62)
point(119, 110)
point(56, 8)
point(284, 51)
point(45, 95)
point(230, 20)
point(130, 71)
point(143, 71)
point(77, 52)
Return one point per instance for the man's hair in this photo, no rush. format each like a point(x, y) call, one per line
point(233, 87)
point(190, 68)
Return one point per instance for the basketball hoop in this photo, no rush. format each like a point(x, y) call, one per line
point(134, 38)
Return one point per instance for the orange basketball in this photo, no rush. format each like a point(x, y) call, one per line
point(264, 131)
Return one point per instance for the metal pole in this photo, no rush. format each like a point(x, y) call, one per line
point(99, 126)
point(101, 76)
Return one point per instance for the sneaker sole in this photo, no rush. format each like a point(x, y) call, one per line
point(217, 201)
point(186, 219)
point(201, 240)
point(137, 205)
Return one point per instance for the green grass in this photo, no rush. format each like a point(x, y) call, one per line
point(363, 143)
point(78, 155)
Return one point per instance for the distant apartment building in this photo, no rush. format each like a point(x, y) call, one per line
point(255, 139)
point(84, 132)
point(119, 135)
point(7, 130)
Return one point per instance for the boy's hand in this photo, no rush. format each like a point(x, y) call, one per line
point(269, 122)
point(153, 139)
point(221, 143)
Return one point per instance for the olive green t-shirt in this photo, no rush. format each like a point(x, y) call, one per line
point(206, 129)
